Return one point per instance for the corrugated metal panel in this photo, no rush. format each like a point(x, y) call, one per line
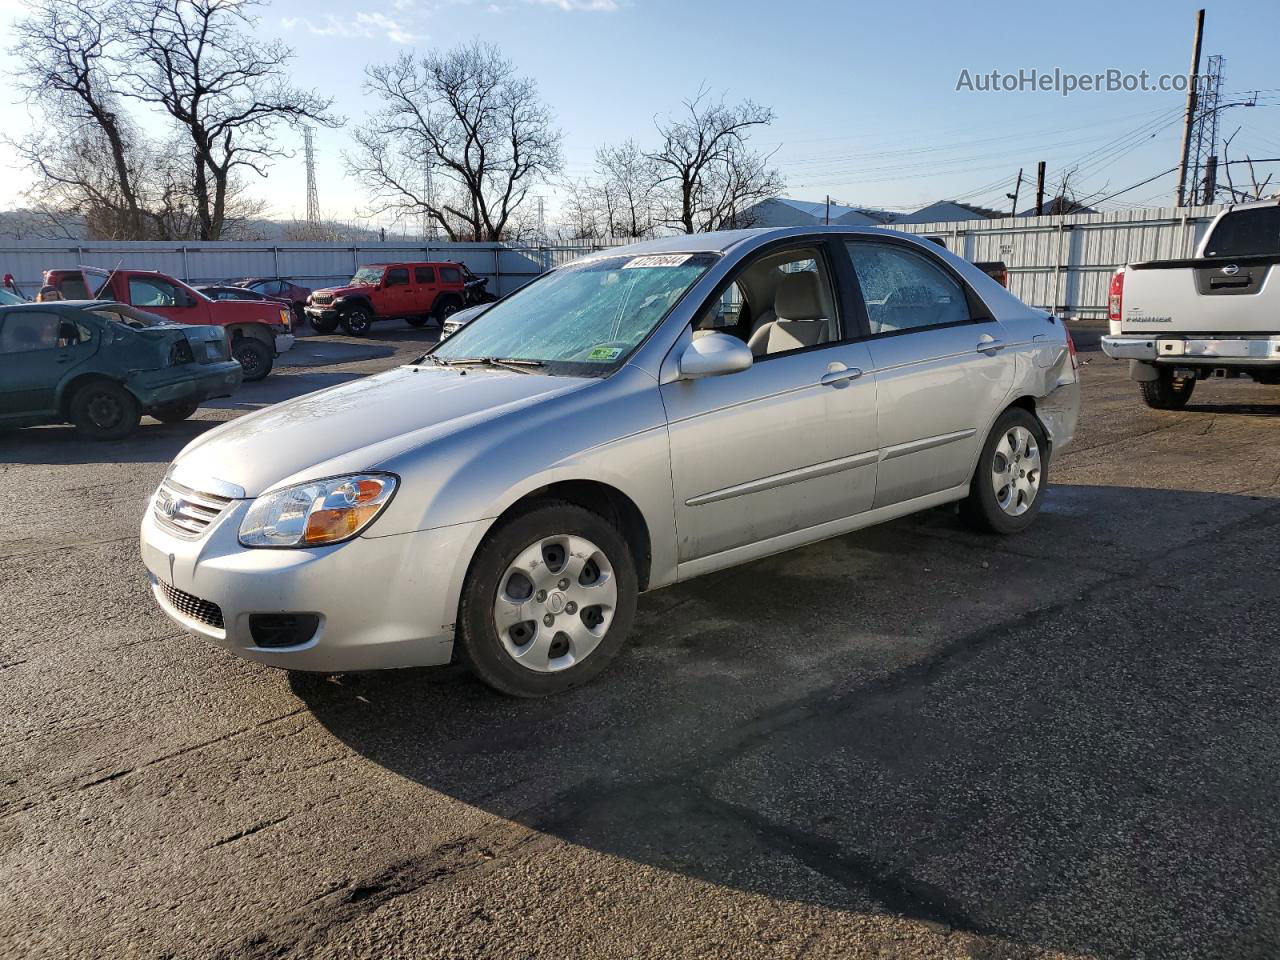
point(507, 266)
point(1064, 264)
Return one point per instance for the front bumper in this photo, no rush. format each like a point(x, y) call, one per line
point(192, 381)
point(382, 602)
point(1192, 350)
point(284, 342)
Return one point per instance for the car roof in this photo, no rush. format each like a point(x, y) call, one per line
point(722, 241)
point(58, 304)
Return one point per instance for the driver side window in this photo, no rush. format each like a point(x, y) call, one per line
point(397, 277)
point(149, 292)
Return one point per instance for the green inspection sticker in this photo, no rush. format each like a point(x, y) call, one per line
point(604, 353)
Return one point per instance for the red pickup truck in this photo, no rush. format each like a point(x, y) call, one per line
point(382, 291)
point(259, 331)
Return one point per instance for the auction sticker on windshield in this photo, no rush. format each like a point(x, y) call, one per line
point(604, 353)
point(657, 260)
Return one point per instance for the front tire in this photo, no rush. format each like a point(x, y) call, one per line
point(357, 322)
point(254, 356)
point(104, 410)
point(548, 602)
point(175, 412)
point(1167, 392)
point(1008, 484)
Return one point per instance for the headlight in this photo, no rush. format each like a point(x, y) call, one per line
point(316, 513)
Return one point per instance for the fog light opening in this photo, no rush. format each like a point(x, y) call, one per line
point(282, 629)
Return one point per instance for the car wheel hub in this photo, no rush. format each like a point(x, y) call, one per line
point(1016, 471)
point(104, 411)
point(555, 602)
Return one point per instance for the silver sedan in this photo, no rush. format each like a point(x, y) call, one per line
point(638, 417)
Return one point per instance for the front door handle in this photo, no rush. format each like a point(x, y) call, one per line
point(989, 344)
point(840, 375)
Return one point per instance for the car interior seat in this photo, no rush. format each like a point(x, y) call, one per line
point(801, 318)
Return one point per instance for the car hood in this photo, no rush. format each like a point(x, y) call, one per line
point(358, 425)
point(343, 290)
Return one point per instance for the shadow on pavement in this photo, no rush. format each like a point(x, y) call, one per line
point(1067, 739)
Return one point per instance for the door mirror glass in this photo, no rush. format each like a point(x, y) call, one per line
point(714, 354)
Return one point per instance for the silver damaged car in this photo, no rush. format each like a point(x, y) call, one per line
point(635, 418)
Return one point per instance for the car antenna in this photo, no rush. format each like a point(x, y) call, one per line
point(114, 270)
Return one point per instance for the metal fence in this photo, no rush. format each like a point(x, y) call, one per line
point(1064, 263)
point(1060, 263)
point(507, 266)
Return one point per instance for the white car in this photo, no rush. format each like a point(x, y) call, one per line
point(638, 417)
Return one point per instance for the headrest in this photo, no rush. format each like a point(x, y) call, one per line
point(797, 297)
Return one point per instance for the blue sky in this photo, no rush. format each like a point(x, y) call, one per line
point(865, 94)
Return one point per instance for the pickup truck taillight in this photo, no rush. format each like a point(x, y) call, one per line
point(1115, 297)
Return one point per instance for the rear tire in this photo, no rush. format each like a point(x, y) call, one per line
point(446, 308)
point(175, 412)
point(418, 321)
point(357, 322)
point(533, 658)
point(1008, 484)
point(254, 356)
point(1167, 392)
point(104, 410)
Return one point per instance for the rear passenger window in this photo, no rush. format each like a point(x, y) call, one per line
point(28, 332)
point(904, 290)
point(424, 275)
point(450, 275)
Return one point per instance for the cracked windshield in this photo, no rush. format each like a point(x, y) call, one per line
point(592, 314)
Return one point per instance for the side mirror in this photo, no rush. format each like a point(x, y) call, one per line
point(714, 355)
point(185, 299)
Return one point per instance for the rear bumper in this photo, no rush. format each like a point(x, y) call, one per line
point(1194, 350)
point(190, 382)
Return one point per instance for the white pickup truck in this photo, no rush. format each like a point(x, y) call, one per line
point(1214, 315)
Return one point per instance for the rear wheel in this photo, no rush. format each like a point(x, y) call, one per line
point(1167, 392)
point(254, 356)
point(418, 321)
point(446, 308)
point(175, 412)
point(1009, 482)
point(548, 602)
point(357, 321)
point(104, 410)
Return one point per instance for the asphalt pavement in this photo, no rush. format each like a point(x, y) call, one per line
point(913, 741)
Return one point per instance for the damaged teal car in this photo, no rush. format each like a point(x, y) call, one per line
point(102, 365)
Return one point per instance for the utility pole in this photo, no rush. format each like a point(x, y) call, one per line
point(1180, 195)
point(1017, 188)
point(1210, 180)
point(1039, 188)
point(828, 219)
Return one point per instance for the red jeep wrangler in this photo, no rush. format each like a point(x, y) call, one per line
point(258, 330)
point(383, 291)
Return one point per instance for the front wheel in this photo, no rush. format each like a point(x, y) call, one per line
point(548, 601)
point(1167, 392)
point(254, 356)
point(1009, 482)
point(357, 321)
point(176, 412)
point(104, 410)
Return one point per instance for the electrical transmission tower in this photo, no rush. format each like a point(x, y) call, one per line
point(1204, 133)
point(313, 198)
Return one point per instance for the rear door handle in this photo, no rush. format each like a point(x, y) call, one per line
point(840, 376)
point(989, 344)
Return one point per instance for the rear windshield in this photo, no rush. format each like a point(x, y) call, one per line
point(1244, 233)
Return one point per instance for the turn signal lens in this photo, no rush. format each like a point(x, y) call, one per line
point(317, 513)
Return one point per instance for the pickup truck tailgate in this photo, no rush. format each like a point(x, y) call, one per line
point(1202, 295)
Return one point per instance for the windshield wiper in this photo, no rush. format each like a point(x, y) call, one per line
point(518, 364)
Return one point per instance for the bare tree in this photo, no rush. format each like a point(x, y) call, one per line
point(468, 118)
point(201, 62)
point(706, 165)
point(90, 166)
point(628, 182)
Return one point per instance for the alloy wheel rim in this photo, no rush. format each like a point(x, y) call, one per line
point(248, 359)
point(555, 603)
point(1016, 471)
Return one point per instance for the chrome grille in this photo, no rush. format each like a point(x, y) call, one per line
point(193, 607)
point(322, 298)
point(184, 511)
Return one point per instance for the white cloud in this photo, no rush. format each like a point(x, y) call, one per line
point(589, 6)
point(364, 24)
